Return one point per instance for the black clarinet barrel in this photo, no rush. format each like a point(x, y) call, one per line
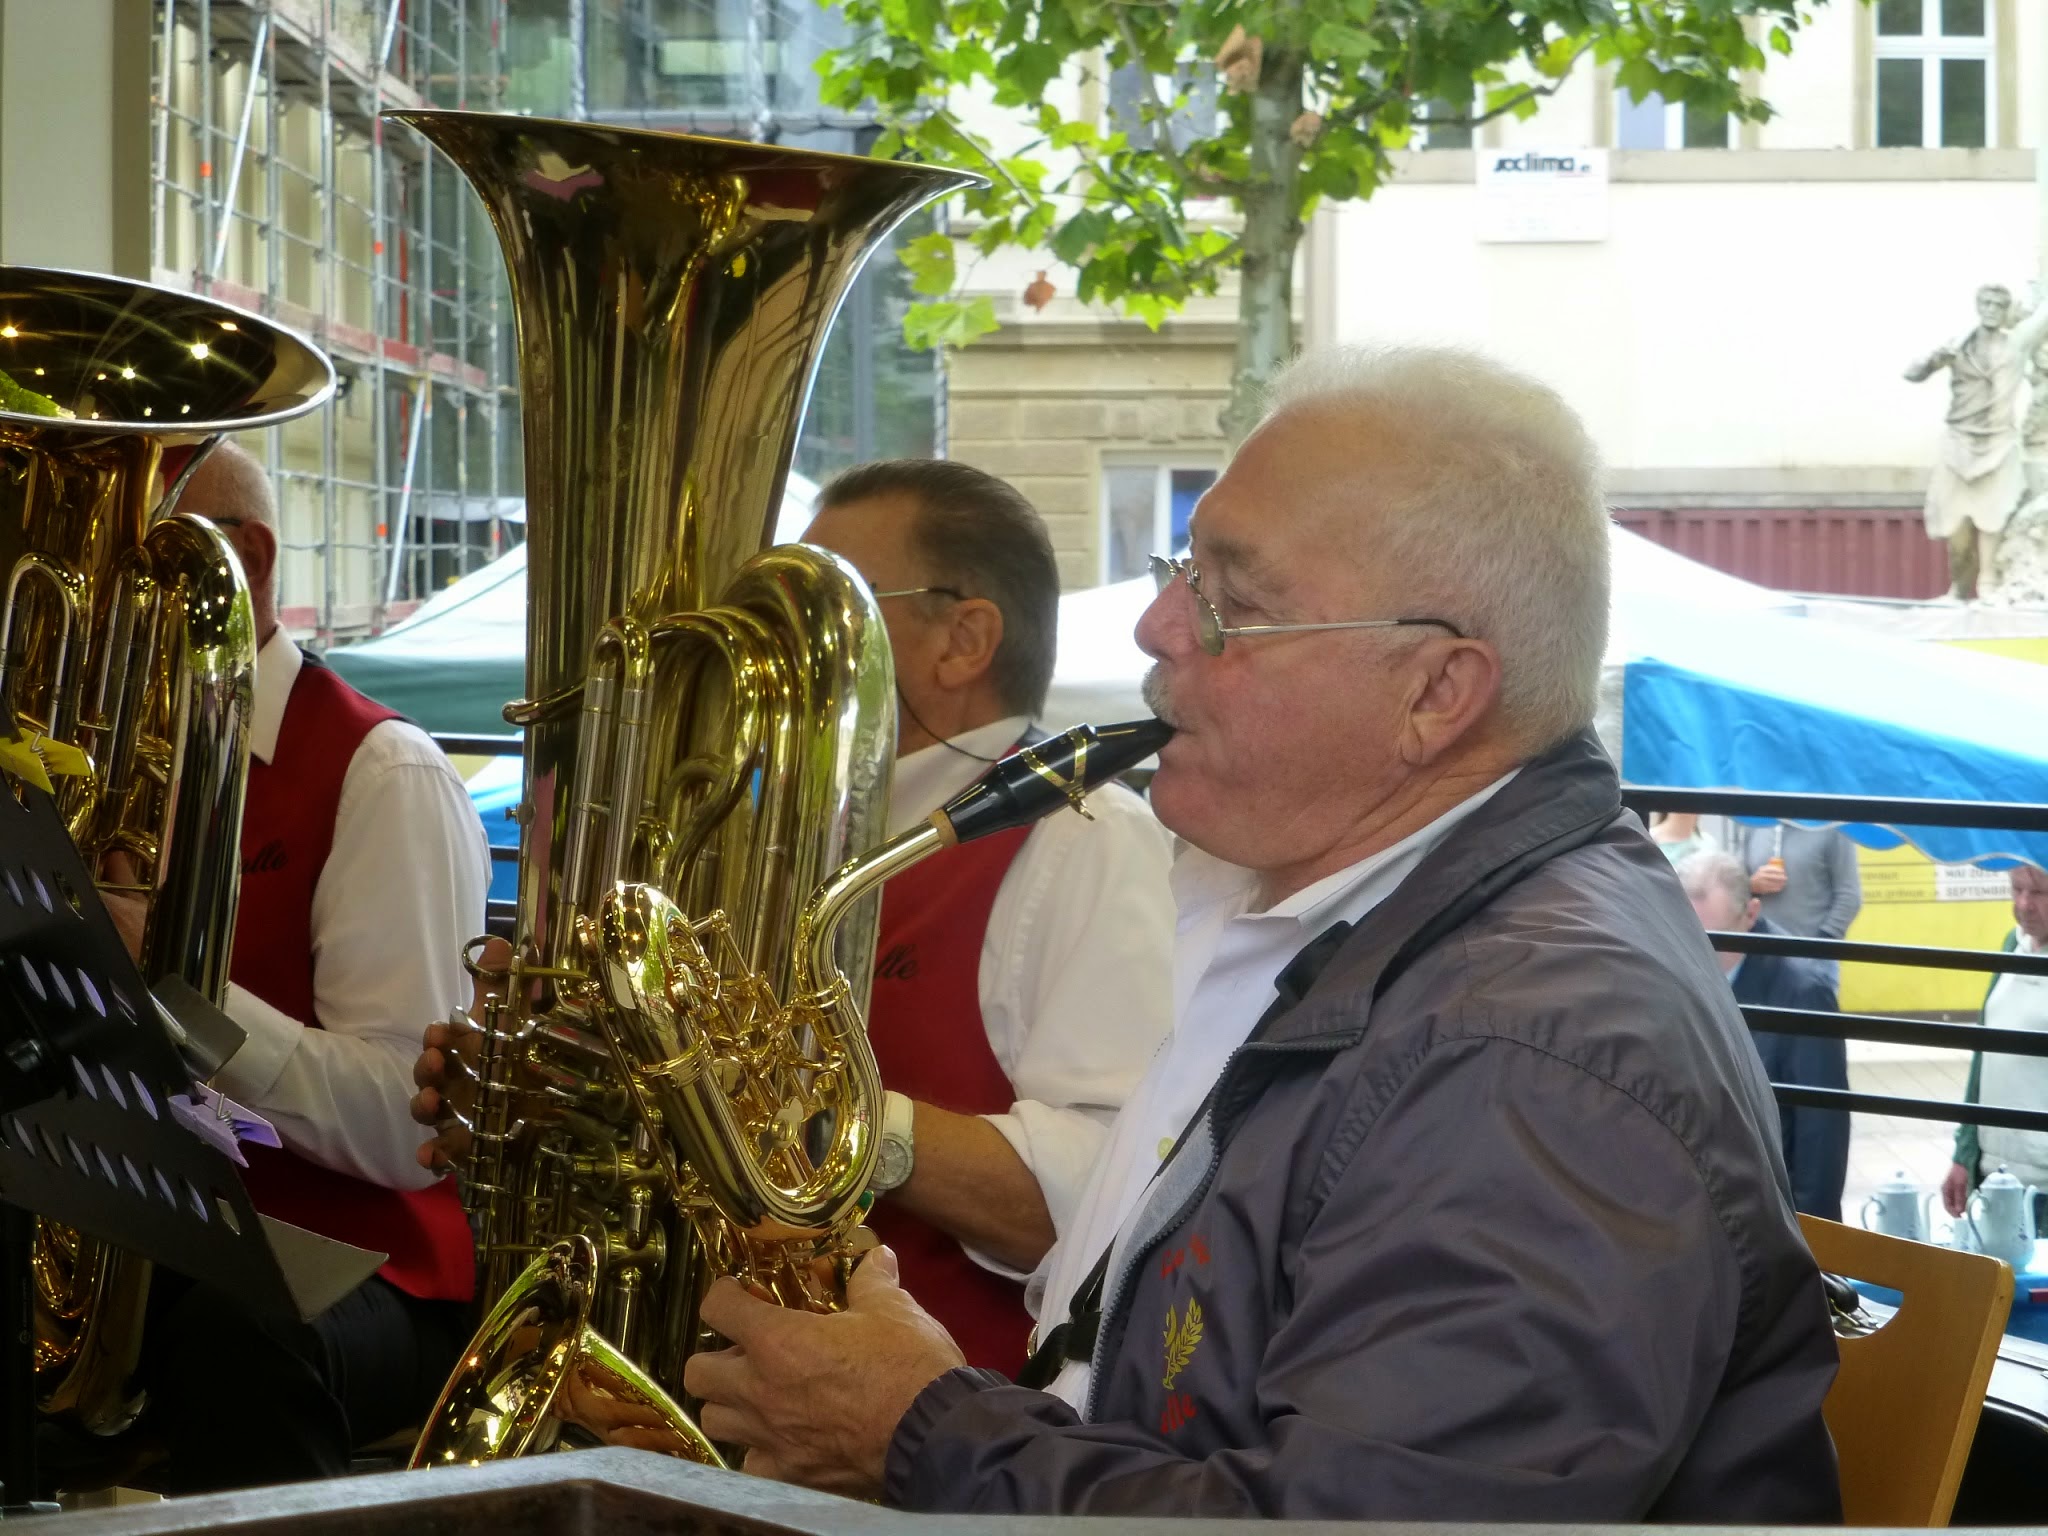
point(1036, 780)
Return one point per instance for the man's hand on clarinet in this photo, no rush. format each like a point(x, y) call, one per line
point(445, 1073)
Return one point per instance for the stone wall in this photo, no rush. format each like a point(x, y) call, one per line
point(1045, 405)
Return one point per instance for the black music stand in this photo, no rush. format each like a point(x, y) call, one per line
point(87, 1134)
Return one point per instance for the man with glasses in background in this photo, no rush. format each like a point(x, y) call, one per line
point(1455, 1192)
point(1021, 982)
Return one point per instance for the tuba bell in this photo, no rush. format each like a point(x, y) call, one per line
point(709, 722)
point(127, 660)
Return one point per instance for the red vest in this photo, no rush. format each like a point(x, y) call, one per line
point(929, 1039)
point(287, 831)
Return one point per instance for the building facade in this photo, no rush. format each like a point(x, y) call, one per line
point(1731, 305)
point(234, 147)
point(745, 69)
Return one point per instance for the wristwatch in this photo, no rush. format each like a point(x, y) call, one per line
point(899, 1149)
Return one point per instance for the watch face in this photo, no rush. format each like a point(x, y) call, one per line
point(894, 1166)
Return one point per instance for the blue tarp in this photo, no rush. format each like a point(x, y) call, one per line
point(1765, 702)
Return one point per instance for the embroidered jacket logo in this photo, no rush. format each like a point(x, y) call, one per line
point(1183, 1337)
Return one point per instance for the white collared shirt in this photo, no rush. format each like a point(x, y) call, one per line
point(1227, 959)
point(1075, 963)
point(401, 893)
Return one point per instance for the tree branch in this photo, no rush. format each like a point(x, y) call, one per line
point(1527, 93)
point(974, 143)
point(1162, 138)
point(1366, 110)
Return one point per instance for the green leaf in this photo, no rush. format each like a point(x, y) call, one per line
point(1555, 61)
point(948, 323)
point(931, 262)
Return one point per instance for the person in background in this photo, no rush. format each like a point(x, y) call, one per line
point(2017, 1082)
point(1816, 1141)
point(364, 868)
point(1680, 835)
point(1806, 878)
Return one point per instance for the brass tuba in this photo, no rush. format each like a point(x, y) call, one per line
point(127, 656)
point(706, 718)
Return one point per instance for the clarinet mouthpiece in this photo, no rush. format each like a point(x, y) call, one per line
point(1046, 776)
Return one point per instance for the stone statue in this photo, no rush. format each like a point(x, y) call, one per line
point(1980, 478)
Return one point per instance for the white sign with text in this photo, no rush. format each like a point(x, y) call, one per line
point(1528, 195)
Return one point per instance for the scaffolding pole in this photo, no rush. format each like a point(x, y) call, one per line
point(167, 70)
point(349, 264)
point(412, 449)
point(234, 181)
point(330, 306)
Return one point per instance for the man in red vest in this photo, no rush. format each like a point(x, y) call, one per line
point(364, 869)
point(1021, 982)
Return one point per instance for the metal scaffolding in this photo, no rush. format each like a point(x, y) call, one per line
point(277, 187)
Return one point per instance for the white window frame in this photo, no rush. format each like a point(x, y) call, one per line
point(1162, 467)
point(1931, 49)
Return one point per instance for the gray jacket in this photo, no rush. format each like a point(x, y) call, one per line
point(1490, 1224)
point(1823, 883)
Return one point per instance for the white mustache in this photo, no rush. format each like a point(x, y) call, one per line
point(1158, 698)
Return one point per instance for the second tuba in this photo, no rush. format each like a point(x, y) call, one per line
point(127, 660)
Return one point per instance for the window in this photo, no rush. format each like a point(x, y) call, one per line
point(1145, 511)
point(1933, 74)
point(1432, 132)
point(720, 66)
point(1189, 94)
point(1654, 123)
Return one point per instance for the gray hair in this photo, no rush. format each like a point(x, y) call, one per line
point(231, 482)
point(1497, 523)
point(1701, 872)
point(981, 536)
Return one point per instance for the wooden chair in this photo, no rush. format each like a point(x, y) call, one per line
point(1904, 1408)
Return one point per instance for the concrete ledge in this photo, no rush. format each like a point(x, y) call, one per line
point(1118, 333)
point(1834, 485)
point(1458, 166)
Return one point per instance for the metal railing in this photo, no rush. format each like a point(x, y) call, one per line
point(1879, 1028)
point(1989, 816)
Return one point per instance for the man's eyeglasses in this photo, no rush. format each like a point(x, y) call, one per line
point(1211, 631)
point(953, 593)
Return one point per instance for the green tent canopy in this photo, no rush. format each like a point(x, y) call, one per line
point(454, 665)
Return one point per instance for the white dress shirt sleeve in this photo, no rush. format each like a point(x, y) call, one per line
point(400, 895)
point(1076, 986)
